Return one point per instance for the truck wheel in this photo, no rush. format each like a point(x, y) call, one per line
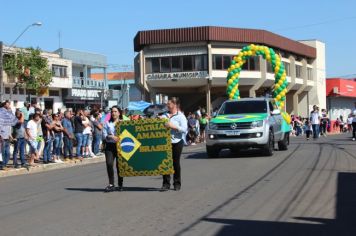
point(283, 144)
point(268, 149)
point(213, 152)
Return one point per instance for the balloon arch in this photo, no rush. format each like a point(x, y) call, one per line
point(280, 85)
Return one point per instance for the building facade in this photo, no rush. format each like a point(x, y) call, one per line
point(341, 97)
point(84, 91)
point(192, 63)
point(61, 79)
point(122, 86)
point(72, 85)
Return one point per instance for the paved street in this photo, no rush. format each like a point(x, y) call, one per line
point(308, 190)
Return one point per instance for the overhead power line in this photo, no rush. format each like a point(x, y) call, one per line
point(316, 24)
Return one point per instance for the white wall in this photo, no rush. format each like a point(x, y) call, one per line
point(317, 95)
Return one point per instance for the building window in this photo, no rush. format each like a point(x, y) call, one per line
point(54, 93)
point(201, 62)
point(287, 68)
point(59, 71)
point(223, 62)
point(155, 65)
point(176, 64)
point(31, 91)
point(21, 91)
point(254, 63)
point(187, 63)
point(226, 62)
point(310, 73)
point(298, 71)
point(165, 65)
point(217, 62)
point(7, 90)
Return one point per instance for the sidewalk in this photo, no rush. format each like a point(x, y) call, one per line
point(52, 166)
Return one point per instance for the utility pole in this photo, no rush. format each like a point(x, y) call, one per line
point(1, 74)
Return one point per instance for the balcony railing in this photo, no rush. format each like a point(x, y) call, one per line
point(82, 82)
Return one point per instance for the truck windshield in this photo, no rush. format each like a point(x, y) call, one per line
point(243, 107)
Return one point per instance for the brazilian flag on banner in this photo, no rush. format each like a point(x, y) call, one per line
point(144, 148)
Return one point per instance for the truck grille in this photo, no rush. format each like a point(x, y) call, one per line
point(239, 125)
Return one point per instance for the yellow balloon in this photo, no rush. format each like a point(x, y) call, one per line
point(238, 97)
point(278, 97)
point(283, 94)
point(276, 86)
point(236, 86)
point(230, 81)
point(280, 82)
point(276, 69)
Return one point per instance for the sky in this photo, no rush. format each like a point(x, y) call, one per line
point(109, 26)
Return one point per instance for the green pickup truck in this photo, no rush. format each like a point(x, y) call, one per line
point(247, 123)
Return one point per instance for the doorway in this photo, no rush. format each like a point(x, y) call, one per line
point(48, 103)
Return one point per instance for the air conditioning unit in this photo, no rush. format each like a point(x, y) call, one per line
point(336, 90)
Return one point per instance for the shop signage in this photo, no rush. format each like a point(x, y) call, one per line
point(89, 94)
point(179, 75)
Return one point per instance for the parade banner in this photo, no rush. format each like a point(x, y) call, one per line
point(144, 148)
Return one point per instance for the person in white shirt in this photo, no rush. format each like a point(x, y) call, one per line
point(354, 123)
point(86, 135)
point(315, 121)
point(349, 123)
point(32, 133)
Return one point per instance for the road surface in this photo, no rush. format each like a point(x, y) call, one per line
point(308, 190)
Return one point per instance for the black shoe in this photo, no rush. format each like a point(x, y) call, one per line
point(119, 188)
point(45, 162)
point(109, 188)
point(176, 187)
point(165, 188)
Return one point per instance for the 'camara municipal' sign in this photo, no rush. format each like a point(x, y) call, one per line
point(179, 75)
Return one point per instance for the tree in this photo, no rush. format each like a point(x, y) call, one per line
point(30, 69)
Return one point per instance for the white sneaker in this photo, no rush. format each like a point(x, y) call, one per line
point(353, 139)
point(59, 161)
point(193, 144)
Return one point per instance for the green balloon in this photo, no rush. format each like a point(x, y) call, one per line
point(233, 62)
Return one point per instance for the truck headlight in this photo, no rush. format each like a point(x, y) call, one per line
point(257, 124)
point(213, 126)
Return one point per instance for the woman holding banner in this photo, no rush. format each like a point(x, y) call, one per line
point(111, 138)
point(179, 125)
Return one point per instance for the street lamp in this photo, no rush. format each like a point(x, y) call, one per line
point(34, 24)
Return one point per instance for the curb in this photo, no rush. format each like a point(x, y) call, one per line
point(49, 167)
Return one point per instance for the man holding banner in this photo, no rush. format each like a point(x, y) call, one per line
point(179, 125)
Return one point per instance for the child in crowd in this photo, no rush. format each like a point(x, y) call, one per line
point(308, 128)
